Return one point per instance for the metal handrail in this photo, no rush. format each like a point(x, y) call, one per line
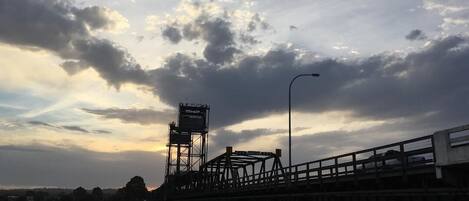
point(335, 170)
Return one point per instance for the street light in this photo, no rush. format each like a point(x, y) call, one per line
point(289, 114)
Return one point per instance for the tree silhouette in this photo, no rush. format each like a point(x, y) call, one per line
point(134, 190)
point(65, 197)
point(80, 194)
point(97, 194)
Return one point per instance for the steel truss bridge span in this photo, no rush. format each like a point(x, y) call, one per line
point(432, 166)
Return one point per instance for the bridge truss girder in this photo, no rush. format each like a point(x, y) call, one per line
point(234, 170)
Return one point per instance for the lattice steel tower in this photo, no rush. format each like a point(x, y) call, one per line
point(188, 142)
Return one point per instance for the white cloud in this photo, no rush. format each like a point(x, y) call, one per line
point(455, 14)
point(442, 7)
point(152, 22)
point(355, 52)
point(119, 23)
point(315, 122)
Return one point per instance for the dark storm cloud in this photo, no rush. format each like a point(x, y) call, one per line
point(172, 34)
point(140, 116)
point(256, 23)
point(75, 128)
point(327, 144)
point(220, 47)
point(67, 127)
point(416, 35)
point(72, 167)
point(40, 123)
point(225, 138)
point(74, 67)
point(430, 81)
point(217, 31)
point(113, 63)
point(248, 39)
point(190, 32)
point(13, 148)
point(65, 30)
point(251, 26)
point(315, 146)
point(102, 131)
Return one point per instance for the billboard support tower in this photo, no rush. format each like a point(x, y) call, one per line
point(187, 144)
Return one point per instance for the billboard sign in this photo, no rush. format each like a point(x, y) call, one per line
point(193, 117)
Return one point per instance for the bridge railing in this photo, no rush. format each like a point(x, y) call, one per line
point(401, 158)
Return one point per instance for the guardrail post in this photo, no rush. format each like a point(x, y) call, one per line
point(307, 174)
point(252, 177)
point(354, 163)
point(296, 174)
point(403, 156)
point(375, 160)
point(320, 174)
point(336, 164)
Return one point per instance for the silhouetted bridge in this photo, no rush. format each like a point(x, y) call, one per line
point(433, 167)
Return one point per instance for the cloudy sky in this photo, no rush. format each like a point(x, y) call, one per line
point(87, 87)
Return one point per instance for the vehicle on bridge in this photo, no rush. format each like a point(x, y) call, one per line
point(389, 160)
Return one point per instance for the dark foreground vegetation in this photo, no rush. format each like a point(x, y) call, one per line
point(134, 190)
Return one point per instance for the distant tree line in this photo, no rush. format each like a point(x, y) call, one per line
point(134, 190)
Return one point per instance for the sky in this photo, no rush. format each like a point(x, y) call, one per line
point(88, 87)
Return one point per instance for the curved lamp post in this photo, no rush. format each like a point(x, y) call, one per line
point(289, 113)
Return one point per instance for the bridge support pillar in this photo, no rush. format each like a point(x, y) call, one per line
point(452, 155)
